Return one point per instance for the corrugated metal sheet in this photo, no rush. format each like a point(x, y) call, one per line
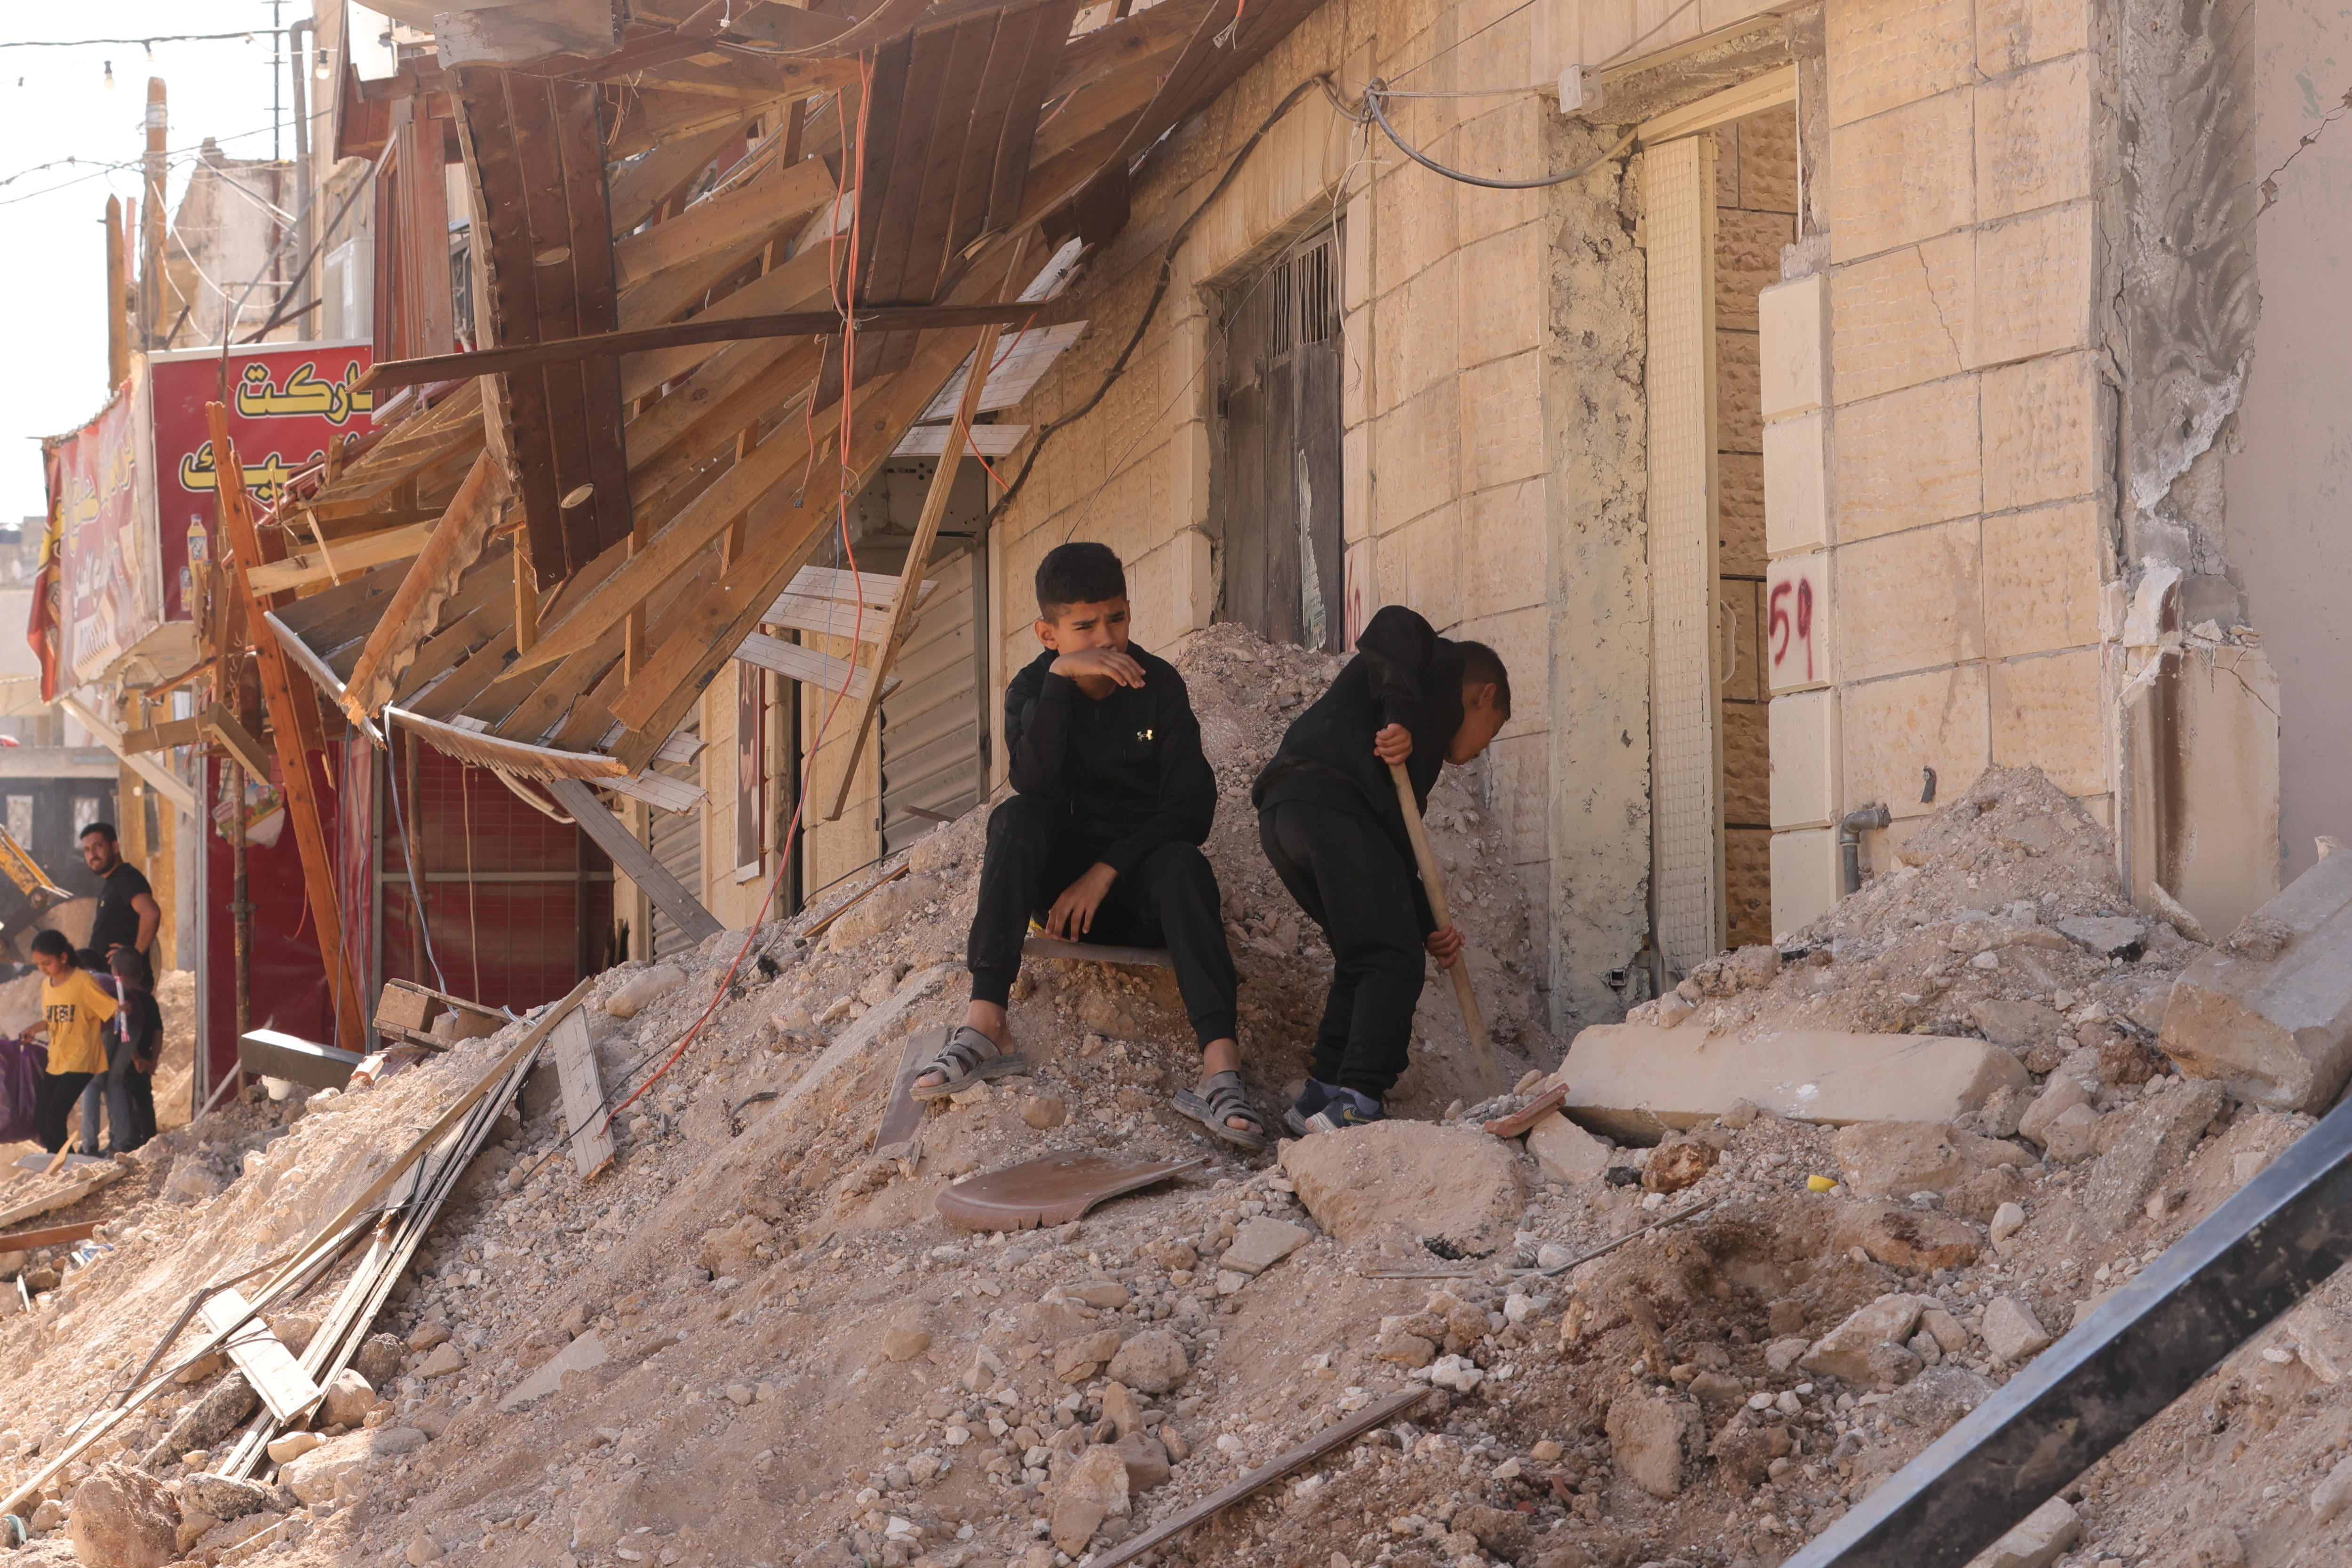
point(931, 729)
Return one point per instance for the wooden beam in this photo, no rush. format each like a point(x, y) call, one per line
point(162, 737)
point(634, 861)
point(720, 231)
point(790, 324)
point(224, 726)
point(919, 556)
point(807, 665)
point(290, 727)
point(53, 1236)
point(305, 567)
point(586, 1125)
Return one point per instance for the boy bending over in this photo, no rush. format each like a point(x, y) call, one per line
point(1329, 819)
point(1101, 838)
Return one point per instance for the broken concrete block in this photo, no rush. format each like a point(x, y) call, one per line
point(1259, 1245)
point(1566, 1153)
point(639, 991)
point(1782, 1353)
point(2018, 1023)
point(879, 911)
point(1950, 1334)
point(292, 1446)
point(2275, 1031)
point(1635, 1083)
point(2073, 1136)
point(1651, 1438)
point(2328, 1497)
point(906, 1343)
point(2154, 1140)
point(2324, 1341)
point(1918, 1241)
point(220, 1499)
point(2062, 1094)
point(1146, 1459)
point(1451, 1183)
point(1076, 1361)
point(1671, 1167)
point(348, 1399)
point(2109, 936)
point(123, 1518)
point(328, 1471)
point(2036, 1542)
point(1896, 1159)
point(445, 1360)
point(1845, 1351)
point(2011, 1332)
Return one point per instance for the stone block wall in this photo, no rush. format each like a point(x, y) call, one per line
point(1936, 460)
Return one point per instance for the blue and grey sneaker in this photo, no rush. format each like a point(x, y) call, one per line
point(1346, 1108)
point(1312, 1099)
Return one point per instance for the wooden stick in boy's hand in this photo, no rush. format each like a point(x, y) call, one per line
point(1434, 886)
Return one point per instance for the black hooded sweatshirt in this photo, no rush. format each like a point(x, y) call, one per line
point(1403, 673)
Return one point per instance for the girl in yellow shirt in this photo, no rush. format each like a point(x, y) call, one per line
point(74, 1012)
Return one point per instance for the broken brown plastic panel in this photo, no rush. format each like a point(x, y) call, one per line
point(1097, 952)
point(1053, 1190)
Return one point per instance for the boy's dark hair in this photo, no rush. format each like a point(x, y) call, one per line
point(1081, 573)
point(130, 966)
point(1482, 666)
point(54, 943)
point(104, 829)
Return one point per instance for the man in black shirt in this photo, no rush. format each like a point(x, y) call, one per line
point(1101, 838)
point(1330, 822)
point(128, 913)
point(127, 917)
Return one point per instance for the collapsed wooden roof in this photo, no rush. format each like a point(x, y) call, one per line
point(683, 225)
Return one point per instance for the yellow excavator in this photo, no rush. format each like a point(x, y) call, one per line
point(39, 902)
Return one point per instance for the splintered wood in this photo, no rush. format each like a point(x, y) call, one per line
point(584, 1096)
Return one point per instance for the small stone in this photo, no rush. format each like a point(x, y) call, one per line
point(1845, 1350)
point(220, 1499)
point(2109, 936)
point(740, 1394)
point(2007, 1221)
point(2334, 1492)
point(1407, 1349)
point(905, 1344)
point(2073, 1136)
point(1651, 1438)
point(1043, 1111)
point(1260, 1243)
point(2011, 1332)
point(639, 991)
point(445, 1360)
point(2036, 1542)
point(1545, 1452)
point(1740, 1114)
point(348, 1400)
point(1671, 1167)
point(1566, 1153)
point(1123, 1410)
point(427, 1335)
point(422, 1550)
point(1077, 1359)
point(293, 1446)
point(191, 1182)
point(1092, 1490)
point(1951, 1335)
point(1783, 1354)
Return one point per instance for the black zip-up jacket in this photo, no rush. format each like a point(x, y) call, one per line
point(1127, 769)
point(1403, 673)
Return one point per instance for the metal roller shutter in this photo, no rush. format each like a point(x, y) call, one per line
point(932, 767)
point(677, 844)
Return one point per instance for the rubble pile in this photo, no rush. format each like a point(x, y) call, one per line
point(751, 1340)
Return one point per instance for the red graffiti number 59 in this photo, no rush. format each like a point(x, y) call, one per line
point(1781, 630)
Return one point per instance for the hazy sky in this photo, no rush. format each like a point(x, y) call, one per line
point(55, 104)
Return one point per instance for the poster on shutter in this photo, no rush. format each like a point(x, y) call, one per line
point(101, 605)
point(285, 405)
point(1796, 622)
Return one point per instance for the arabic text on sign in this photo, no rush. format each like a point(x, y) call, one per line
point(302, 394)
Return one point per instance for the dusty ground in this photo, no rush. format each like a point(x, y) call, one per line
point(803, 1364)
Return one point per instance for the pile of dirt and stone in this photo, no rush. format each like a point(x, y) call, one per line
point(751, 1340)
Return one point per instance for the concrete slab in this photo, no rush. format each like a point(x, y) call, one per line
point(2269, 1011)
point(1636, 1082)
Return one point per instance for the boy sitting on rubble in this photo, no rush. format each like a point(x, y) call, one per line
point(1101, 838)
point(1329, 820)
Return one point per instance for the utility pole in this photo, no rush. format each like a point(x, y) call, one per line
point(151, 251)
point(276, 75)
point(117, 330)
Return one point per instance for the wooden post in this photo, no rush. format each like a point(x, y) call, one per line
point(919, 557)
point(526, 594)
point(1433, 883)
point(154, 330)
point(294, 727)
point(117, 330)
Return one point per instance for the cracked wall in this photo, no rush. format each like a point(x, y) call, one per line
point(2283, 464)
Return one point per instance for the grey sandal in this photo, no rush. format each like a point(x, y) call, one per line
point(968, 1057)
point(1221, 1097)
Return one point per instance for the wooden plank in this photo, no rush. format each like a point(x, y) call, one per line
point(552, 313)
point(634, 192)
point(1160, 30)
point(471, 677)
point(634, 861)
point(290, 727)
point(711, 327)
point(163, 736)
point(805, 665)
point(261, 1355)
point(926, 156)
point(53, 1236)
point(1016, 149)
point(305, 567)
point(471, 743)
point(1008, 57)
point(457, 541)
point(583, 1096)
point(594, 293)
point(78, 1186)
point(919, 556)
point(223, 726)
point(722, 231)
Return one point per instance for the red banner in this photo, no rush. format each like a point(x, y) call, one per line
point(87, 599)
point(285, 404)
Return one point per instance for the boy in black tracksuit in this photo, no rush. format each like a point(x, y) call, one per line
point(1101, 838)
point(1330, 823)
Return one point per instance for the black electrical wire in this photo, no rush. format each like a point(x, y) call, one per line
point(1375, 90)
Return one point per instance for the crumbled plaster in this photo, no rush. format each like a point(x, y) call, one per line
point(1595, 448)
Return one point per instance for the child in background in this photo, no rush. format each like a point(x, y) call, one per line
point(74, 1010)
point(135, 1043)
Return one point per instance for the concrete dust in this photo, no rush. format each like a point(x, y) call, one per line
point(752, 1341)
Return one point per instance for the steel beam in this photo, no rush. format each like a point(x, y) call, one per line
point(2282, 1235)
